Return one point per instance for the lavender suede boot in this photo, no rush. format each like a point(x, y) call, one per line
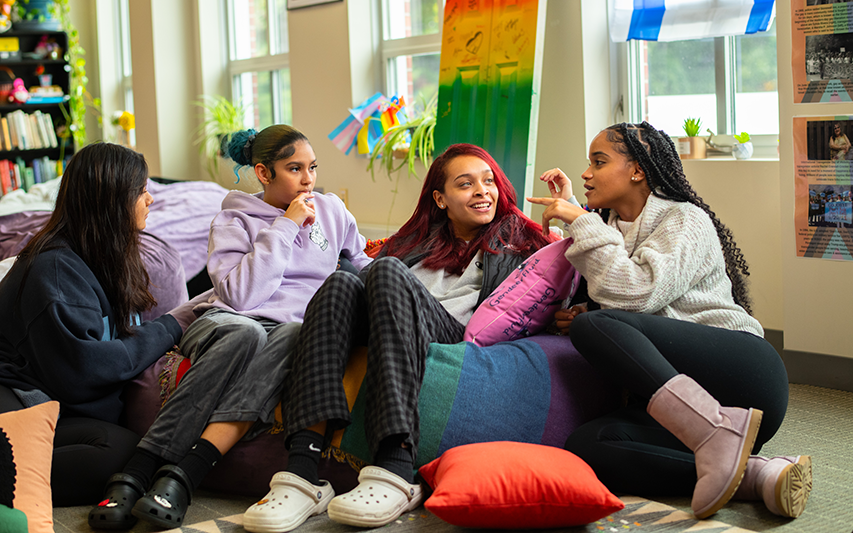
point(784, 483)
point(721, 438)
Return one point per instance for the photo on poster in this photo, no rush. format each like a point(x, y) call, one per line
point(831, 206)
point(823, 187)
point(824, 2)
point(822, 51)
point(829, 57)
point(829, 140)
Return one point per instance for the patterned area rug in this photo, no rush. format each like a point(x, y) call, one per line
point(639, 515)
point(648, 516)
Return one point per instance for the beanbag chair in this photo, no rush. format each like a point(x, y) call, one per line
point(535, 390)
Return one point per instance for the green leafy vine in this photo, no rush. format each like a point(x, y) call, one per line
point(75, 115)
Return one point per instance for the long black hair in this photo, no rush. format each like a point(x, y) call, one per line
point(8, 472)
point(655, 152)
point(95, 216)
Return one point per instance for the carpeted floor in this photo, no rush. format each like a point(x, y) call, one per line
point(819, 423)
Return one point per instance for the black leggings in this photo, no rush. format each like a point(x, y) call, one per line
point(86, 452)
point(628, 450)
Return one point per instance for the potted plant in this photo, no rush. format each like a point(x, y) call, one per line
point(221, 118)
point(743, 148)
point(37, 15)
point(407, 142)
point(692, 146)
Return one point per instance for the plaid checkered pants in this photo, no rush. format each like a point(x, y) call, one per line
point(397, 318)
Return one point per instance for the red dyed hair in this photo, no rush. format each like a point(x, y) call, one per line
point(430, 230)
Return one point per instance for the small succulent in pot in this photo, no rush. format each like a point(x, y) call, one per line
point(692, 126)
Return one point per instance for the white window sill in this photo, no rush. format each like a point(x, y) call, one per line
point(727, 157)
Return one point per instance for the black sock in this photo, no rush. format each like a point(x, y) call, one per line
point(303, 456)
point(142, 466)
point(202, 458)
point(393, 457)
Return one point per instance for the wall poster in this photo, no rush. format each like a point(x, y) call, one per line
point(823, 190)
point(822, 56)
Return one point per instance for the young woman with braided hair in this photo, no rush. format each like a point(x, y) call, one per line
point(669, 318)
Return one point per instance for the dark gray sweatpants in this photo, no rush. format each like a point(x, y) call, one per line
point(238, 368)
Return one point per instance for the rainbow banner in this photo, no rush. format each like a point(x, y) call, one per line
point(489, 82)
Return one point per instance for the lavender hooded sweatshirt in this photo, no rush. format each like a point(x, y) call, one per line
point(262, 264)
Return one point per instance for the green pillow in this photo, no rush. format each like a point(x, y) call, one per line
point(12, 520)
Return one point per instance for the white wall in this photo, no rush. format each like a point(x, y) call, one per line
point(818, 298)
point(745, 197)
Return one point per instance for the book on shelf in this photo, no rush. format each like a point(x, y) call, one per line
point(51, 131)
point(13, 132)
point(7, 139)
point(5, 177)
point(45, 100)
point(17, 174)
point(15, 171)
point(28, 177)
point(27, 131)
point(24, 142)
point(43, 126)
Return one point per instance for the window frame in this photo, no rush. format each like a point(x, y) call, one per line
point(630, 74)
point(273, 62)
point(124, 68)
point(390, 49)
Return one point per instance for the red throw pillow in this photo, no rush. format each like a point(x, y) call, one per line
point(515, 485)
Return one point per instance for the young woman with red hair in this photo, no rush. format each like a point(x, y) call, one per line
point(464, 238)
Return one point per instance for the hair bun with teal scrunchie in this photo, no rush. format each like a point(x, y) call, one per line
point(240, 147)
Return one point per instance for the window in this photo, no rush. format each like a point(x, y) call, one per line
point(411, 47)
point(259, 63)
point(728, 82)
point(125, 67)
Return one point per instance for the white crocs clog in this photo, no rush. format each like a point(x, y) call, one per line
point(379, 499)
point(290, 502)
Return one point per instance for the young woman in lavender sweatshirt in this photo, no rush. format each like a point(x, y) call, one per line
point(675, 328)
point(269, 253)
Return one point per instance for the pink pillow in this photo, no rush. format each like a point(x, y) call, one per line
point(525, 303)
point(515, 485)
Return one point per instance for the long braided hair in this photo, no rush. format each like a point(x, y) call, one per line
point(655, 152)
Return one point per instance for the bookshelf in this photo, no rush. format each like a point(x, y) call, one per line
point(30, 146)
